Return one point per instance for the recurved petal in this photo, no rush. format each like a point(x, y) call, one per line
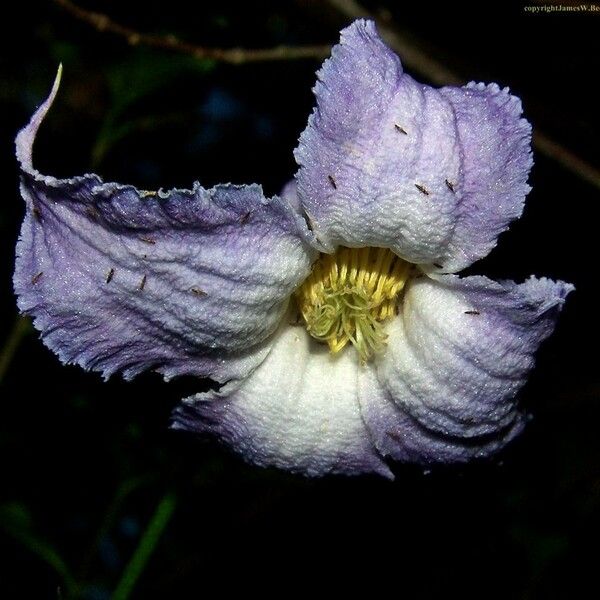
point(457, 355)
point(400, 436)
point(185, 281)
point(495, 145)
point(297, 411)
point(435, 175)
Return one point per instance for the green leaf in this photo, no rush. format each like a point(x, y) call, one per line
point(148, 542)
point(17, 522)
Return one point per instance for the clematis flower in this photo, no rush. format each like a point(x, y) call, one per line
point(333, 314)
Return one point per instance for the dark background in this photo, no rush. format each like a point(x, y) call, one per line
point(90, 471)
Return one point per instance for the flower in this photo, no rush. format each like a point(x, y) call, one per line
point(333, 315)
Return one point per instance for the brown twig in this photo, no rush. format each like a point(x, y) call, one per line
point(419, 61)
point(234, 56)
point(413, 57)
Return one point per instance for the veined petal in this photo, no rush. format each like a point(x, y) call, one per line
point(435, 175)
point(186, 281)
point(496, 156)
point(400, 436)
point(457, 354)
point(297, 411)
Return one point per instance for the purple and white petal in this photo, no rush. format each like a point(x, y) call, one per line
point(289, 193)
point(458, 353)
point(402, 437)
point(496, 155)
point(385, 161)
point(298, 411)
point(186, 281)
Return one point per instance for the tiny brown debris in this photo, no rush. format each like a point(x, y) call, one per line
point(422, 189)
point(400, 129)
point(450, 185)
point(332, 182)
point(438, 265)
point(147, 240)
point(472, 312)
point(92, 213)
point(198, 292)
point(36, 278)
point(37, 214)
point(111, 274)
point(147, 194)
point(143, 283)
point(395, 436)
point(245, 218)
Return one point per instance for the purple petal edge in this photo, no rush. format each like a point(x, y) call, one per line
point(458, 354)
point(183, 282)
point(435, 175)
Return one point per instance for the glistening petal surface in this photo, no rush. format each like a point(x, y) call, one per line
point(457, 355)
point(185, 281)
point(435, 175)
point(298, 411)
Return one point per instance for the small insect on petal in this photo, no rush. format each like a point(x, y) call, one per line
point(147, 240)
point(450, 185)
point(36, 278)
point(400, 129)
point(143, 283)
point(332, 181)
point(438, 265)
point(308, 219)
point(422, 189)
point(110, 275)
point(198, 292)
point(472, 312)
point(37, 213)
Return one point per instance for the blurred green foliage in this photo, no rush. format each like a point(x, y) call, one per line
point(132, 80)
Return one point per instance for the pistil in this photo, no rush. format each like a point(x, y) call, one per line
point(349, 294)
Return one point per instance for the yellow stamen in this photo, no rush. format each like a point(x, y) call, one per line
point(348, 294)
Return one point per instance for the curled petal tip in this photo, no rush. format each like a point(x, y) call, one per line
point(57, 79)
point(26, 136)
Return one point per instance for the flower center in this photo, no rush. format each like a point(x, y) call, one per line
point(348, 295)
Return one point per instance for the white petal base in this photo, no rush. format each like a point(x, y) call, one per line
point(298, 411)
